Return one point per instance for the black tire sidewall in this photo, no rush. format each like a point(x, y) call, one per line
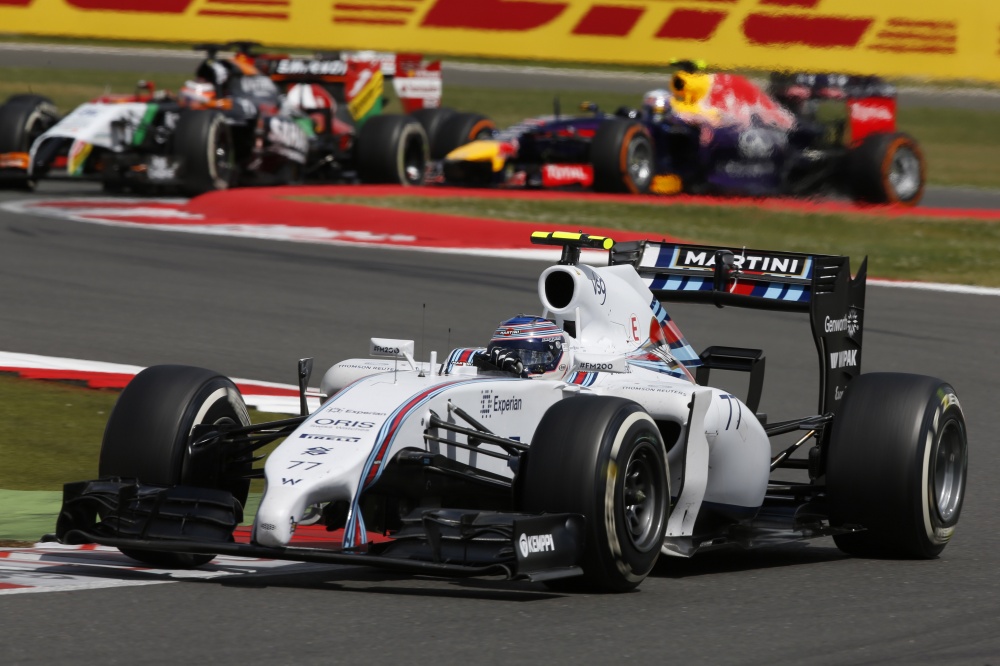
point(608, 152)
point(17, 117)
point(432, 120)
point(576, 464)
point(147, 434)
point(458, 130)
point(869, 165)
point(881, 461)
point(194, 141)
point(384, 142)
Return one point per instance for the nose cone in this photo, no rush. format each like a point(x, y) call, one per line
point(274, 525)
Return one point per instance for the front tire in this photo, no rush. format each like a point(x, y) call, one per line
point(604, 458)
point(24, 118)
point(392, 149)
point(459, 129)
point(622, 156)
point(897, 466)
point(150, 428)
point(204, 143)
point(432, 120)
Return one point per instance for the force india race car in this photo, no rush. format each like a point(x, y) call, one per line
point(23, 118)
point(250, 119)
point(582, 445)
point(714, 134)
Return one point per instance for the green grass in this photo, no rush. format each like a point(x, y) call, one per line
point(961, 145)
point(905, 249)
point(50, 432)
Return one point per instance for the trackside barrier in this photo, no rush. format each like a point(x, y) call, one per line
point(936, 39)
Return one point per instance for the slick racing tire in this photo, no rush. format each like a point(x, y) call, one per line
point(203, 143)
point(896, 466)
point(888, 169)
point(23, 118)
point(432, 120)
point(602, 457)
point(459, 129)
point(150, 428)
point(392, 149)
point(622, 156)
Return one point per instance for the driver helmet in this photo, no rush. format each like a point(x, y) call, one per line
point(690, 87)
point(658, 103)
point(538, 342)
point(197, 92)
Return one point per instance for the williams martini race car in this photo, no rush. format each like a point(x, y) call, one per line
point(575, 449)
point(713, 134)
point(249, 119)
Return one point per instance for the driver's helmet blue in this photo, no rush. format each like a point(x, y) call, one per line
point(538, 342)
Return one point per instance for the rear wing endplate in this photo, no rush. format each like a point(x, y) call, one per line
point(815, 283)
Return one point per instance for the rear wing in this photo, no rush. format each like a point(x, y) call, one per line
point(818, 284)
point(347, 75)
point(870, 100)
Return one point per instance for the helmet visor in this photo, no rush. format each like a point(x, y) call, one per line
point(538, 356)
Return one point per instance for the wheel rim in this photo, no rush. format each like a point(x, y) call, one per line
point(904, 173)
point(222, 157)
point(35, 130)
point(642, 497)
point(949, 472)
point(413, 163)
point(639, 162)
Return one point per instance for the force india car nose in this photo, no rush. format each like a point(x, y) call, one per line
point(579, 471)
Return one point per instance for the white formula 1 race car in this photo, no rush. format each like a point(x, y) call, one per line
point(575, 449)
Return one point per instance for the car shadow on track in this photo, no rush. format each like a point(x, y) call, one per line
point(375, 581)
point(737, 560)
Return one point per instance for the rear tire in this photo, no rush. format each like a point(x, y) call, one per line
point(897, 466)
point(432, 120)
point(204, 143)
point(23, 118)
point(460, 129)
point(148, 434)
point(604, 458)
point(622, 155)
point(392, 149)
point(888, 169)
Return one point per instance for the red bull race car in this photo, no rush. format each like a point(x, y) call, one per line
point(713, 134)
point(575, 448)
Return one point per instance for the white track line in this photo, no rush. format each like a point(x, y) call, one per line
point(277, 404)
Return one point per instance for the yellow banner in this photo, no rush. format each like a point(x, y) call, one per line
point(936, 39)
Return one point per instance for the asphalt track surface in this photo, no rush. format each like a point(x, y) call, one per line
point(251, 308)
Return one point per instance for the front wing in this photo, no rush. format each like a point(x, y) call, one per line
point(125, 514)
